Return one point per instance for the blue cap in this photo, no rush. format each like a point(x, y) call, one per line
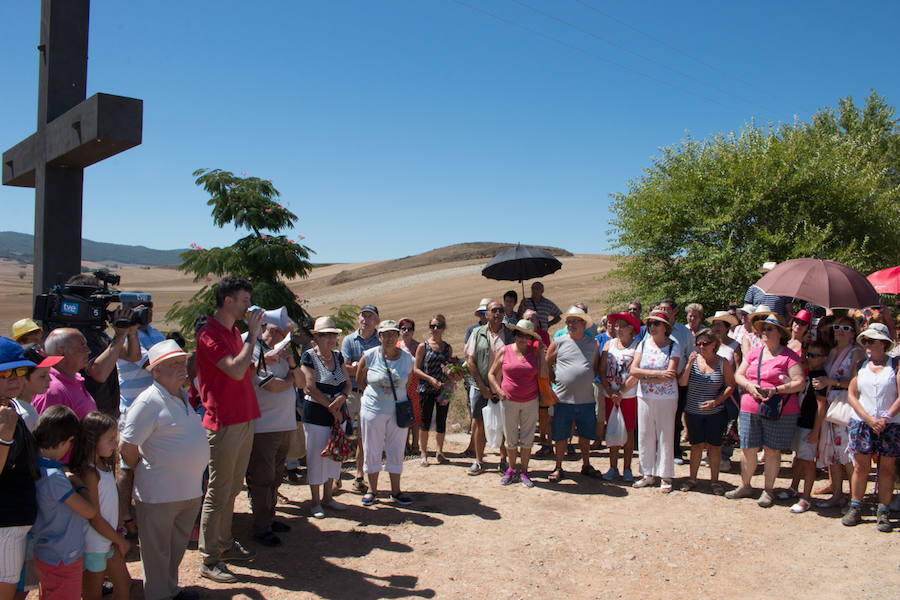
point(12, 355)
point(369, 307)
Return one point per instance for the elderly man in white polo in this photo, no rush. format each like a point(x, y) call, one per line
point(163, 440)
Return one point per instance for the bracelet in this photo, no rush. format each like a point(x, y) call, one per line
point(6, 442)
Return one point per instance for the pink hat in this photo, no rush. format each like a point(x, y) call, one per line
point(803, 316)
point(624, 316)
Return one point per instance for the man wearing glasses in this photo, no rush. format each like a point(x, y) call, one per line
point(352, 349)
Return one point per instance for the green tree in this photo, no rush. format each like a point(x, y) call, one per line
point(702, 219)
point(263, 256)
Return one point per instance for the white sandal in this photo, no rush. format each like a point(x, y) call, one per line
point(801, 506)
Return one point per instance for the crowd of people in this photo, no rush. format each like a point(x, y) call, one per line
point(106, 438)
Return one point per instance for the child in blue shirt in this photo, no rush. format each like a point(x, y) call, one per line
point(62, 509)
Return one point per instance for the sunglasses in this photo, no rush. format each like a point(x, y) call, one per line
point(407, 328)
point(867, 341)
point(435, 326)
point(704, 344)
point(17, 372)
point(842, 327)
point(497, 309)
point(769, 328)
point(814, 355)
point(652, 323)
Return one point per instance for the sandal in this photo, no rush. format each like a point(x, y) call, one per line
point(688, 485)
point(556, 475)
point(368, 499)
point(665, 487)
point(718, 489)
point(801, 506)
point(423, 462)
point(442, 459)
point(788, 494)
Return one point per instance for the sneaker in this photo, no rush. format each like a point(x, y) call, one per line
point(627, 476)
point(475, 469)
point(525, 479)
point(238, 552)
point(611, 474)
point(725, 466)
point(853, 516)
point(218, 572)
point(765, 499)
point(401, 499)
point(503, 467)
point(334, 505)
point(267, 539)
point(884, 524)
point(788, 494)
point(679, 460)
point(509, 477)
point(744, 491)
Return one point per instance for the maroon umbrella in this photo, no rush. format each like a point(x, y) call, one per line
point(823, 282)
point(886, 281)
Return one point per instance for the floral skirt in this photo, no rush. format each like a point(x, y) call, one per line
point(833, 446)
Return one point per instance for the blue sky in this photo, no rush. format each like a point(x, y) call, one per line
point(393, 127)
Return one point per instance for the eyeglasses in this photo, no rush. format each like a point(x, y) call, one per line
point(866, 341)
point(407, 328)
point(435, 326)
point(814, 355)
point(844, 328)
point(652, 323)
point(17, 372)
point(634, 309)
point(497, 309)
point(704, 344)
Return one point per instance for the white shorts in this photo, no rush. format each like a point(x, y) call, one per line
point(12, 552)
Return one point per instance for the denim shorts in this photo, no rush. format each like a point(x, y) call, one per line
point(95, 562)
point(583, 415)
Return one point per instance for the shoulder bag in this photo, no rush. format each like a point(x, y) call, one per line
point(839, 411)
point(772, 407)
point(404, 409)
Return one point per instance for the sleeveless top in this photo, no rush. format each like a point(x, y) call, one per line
point(703, 387)
point(842, 371)
point(412, 382)
point(652, 357)
point(328, 381)
point(432, 366)
point(109, 510)
point(877, 391)
point(618, 366)
point(520, 375)
point(575, 369)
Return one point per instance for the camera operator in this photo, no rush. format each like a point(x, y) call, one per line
point(101, 376)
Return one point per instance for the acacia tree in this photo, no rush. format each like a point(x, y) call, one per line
point(702, 219)
point(263, 256)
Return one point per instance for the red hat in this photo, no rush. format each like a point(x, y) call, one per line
point(624, 316)
point(803, 316)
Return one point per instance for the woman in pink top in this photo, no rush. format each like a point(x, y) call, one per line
point(513, 377)
point(768, 372)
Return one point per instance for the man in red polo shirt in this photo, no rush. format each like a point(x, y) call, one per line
point(226, 391)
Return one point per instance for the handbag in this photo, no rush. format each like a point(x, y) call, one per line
point(839, 411)
point(772, 407)
point(404, 410)
point(546, 394)
point(338, 446)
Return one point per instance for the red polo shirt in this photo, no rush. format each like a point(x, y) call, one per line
point(226, 401)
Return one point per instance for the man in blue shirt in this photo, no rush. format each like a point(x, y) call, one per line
point(352, 349)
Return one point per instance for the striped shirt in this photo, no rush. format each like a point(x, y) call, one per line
point(703, 387)
point(545, 309)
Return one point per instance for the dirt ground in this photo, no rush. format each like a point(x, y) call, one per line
point(471, 537)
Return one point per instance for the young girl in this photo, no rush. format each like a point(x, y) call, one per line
point(93, 459)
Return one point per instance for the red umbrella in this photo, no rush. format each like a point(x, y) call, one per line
point(822, 282)
point(886, 281)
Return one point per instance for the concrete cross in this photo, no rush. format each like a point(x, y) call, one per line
point(72, 133)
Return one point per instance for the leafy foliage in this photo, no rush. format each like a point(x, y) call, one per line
point(263, 258)
point(703, 218)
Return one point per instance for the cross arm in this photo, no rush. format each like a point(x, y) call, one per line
point(95, 129)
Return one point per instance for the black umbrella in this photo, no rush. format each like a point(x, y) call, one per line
point(520, 263)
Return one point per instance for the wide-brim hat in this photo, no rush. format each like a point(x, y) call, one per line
point(161, 352)
point(747, 308)
point(624, 316)
point(768, 266)
point(388, 325)
point(725, 316)
point(877, 331)
point(575, 311)
point(12, 355)
point(24, 327)
point(771, 319)
point(661, 317)
point(36, 354)
point(525, 326)
point(762, 312)
point(326, 325)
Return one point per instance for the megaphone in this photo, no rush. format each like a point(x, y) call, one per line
point(277, 317)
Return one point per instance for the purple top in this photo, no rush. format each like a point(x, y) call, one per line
point(67, 391)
